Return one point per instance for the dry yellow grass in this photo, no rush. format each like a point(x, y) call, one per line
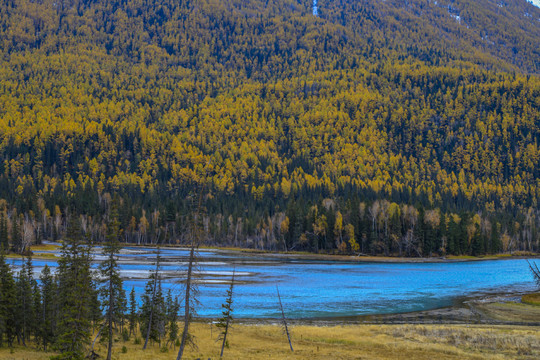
point(343, 342)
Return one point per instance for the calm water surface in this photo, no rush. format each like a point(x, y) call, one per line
point(315, 289)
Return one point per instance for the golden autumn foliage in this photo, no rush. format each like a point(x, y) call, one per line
point(265, 105)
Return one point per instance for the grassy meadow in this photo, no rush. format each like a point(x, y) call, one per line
point(340, 342)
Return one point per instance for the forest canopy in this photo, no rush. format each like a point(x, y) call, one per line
point(395, 127)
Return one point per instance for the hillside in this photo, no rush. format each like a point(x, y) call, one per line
point(393, 127)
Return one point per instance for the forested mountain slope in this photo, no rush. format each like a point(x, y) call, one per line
point(395, 127)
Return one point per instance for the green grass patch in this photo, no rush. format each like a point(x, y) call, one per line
point(531, 299)
point(460, 257)
point(34, 256)
point(46, 247)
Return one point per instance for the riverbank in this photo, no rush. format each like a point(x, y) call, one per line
point(379, 259)
point(302, 255)
point(40, 251)
point(494, 309)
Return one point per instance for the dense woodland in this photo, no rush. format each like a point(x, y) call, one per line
point(393, 127)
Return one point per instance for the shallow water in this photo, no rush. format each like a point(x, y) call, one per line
point(321, 289)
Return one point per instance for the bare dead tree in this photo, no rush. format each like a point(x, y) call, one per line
point(226, 320)
point(191, 290)
point(27, 233)
point(284, 319)
point(535, 271)
point(91, 353)
point(189, 302)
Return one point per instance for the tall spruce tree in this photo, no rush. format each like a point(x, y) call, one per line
point(16, 237)
point(8, 300)
point(36, 310)
point(133, 318)
point(47, 315)
point(75, 291)
point(160, 314)
point(122, 309)
point(111, 289)
point(153, 312)
point(150, 302)
point(173, 307)
point(4, 238)
point(147, 308)
point(25, 309)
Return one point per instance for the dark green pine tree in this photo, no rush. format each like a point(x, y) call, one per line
point(122, 310)
point(133, 316)
point(146, 314)
point(495, 240)
point(161, 313)
point(75, 292)
point(36, 310)
point(477, 242)
point(16, 237)
point(8, 301)
point(149, 305)
point(452, 247)
point(25, 301)
point(151, 311)
point(111, 290)
point(47, 315)
point(462, 237)
point(173, 307)
point(96, 316)
point(4, 237)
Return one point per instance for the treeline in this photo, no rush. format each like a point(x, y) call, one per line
point(275, 113)
point(71, 308)
point(377, 227)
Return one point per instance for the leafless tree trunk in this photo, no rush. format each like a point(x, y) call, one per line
point(28, 233)
point(535, 271)
point(91, 353)
point(187, 304)
point(283, 319)
point(227, 313)
point(191, 289)
point(110, 320)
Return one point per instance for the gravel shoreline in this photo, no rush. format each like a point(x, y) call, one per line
point(467, 310)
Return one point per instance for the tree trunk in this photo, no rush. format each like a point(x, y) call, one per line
point(284, 320)
point(110, 319)
point(187, 304)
